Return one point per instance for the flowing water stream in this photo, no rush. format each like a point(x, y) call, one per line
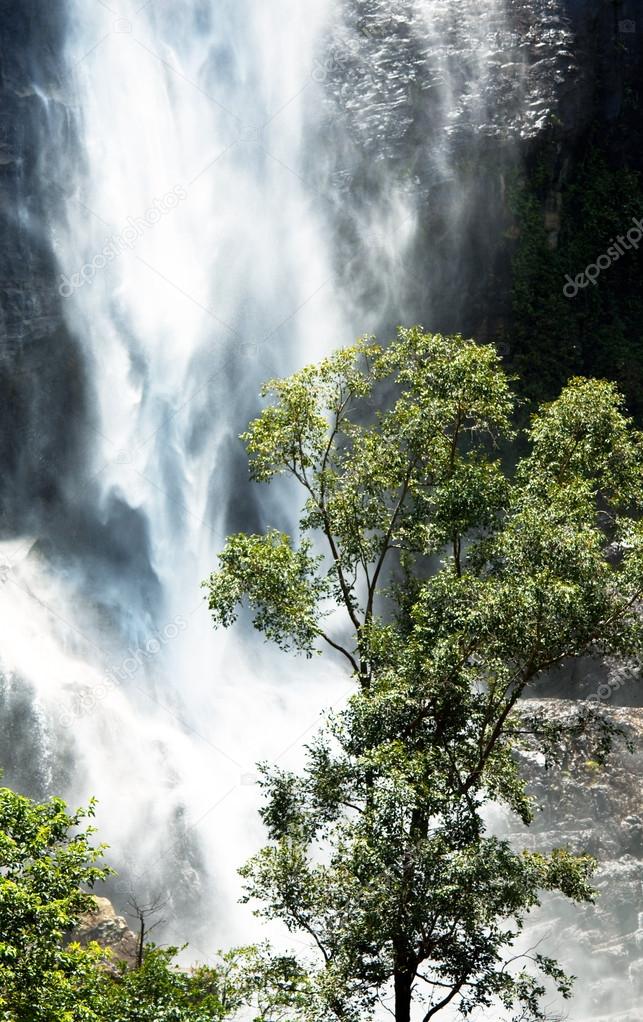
point(193, 264)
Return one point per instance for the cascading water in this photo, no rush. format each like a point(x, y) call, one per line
point(192, 265)
point(240, 187)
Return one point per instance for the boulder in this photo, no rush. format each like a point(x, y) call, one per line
point(109, 930)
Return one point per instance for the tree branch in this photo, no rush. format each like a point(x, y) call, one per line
point(387, 540)
point(342, 650)
point(445, 1000)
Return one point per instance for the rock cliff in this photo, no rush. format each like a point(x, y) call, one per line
point(41, 375)
point(595, 810)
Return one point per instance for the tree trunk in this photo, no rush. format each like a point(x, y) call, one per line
point(141, 942)
point(403, 985)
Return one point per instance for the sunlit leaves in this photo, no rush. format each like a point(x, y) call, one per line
point(462, 582)
point(279, 582)
point(246, 982)
point(584, 436)
point(292, 432)
point(392, 449)
point(46, 858)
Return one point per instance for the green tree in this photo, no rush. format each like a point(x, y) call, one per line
point(46, 859)
point(244, 982)
point(48, 864)
point(461, 583)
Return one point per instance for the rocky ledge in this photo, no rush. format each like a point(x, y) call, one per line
point(597, 810)
point(109, 930)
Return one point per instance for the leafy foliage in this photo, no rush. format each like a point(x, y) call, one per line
point(461, 584)
point(265, 987)
point(46, 858)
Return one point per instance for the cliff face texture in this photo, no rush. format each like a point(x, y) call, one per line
point(508, 135)
point(597, 811)
point(503, 138)
point(505, 131)
point(608, 51)
point(439, 108)
point(41, 376)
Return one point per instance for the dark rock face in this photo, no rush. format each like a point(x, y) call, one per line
point(599, 811)
point(433, 108)
point(435, 111)
point(42, 387)
point(48, 491)
point(607, 684)
point(414, 77)
point(609, 50)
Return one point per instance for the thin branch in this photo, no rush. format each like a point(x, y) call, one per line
point(342, 650)
point(385, 1006)
point(340, 573)
point(445, 1000)
point(303, 479)
point(306, 926)
point(387, 539)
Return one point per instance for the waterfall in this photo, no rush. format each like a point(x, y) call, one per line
point(241, 187)
point(193, 263)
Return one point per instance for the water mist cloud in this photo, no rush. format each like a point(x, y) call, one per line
point(85, 699)
point(127, 238)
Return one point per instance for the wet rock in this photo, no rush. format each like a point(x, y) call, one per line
point(41, 371)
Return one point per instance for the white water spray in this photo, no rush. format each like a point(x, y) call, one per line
point(193, 264)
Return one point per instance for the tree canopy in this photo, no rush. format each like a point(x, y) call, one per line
point(48, 865)
point(451, 563)
point(245, 982)
point(47, 862)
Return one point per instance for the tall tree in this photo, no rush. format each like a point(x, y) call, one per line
point(461, 583)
